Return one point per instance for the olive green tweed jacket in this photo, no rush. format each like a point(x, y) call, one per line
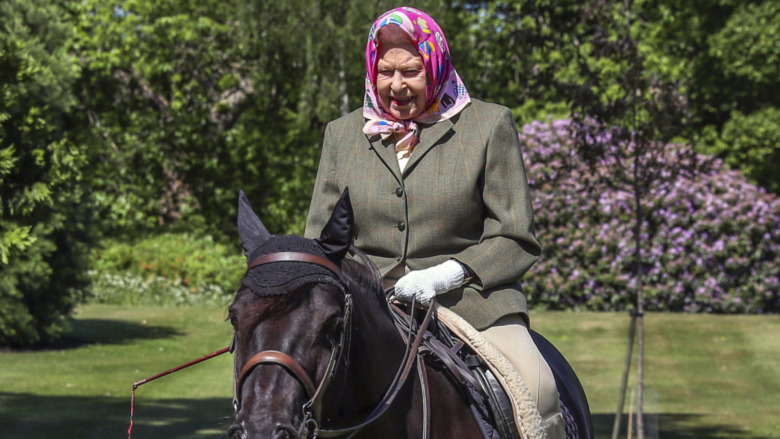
point(463, 195)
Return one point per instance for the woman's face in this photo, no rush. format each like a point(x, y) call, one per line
point(400, 80)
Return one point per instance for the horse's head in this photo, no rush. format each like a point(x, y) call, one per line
point(289, 317)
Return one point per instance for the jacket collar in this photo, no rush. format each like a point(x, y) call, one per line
point(429, 137)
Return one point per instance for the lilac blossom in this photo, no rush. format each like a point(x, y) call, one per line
point(710, 241)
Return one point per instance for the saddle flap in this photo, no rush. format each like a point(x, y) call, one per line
point(492, 407)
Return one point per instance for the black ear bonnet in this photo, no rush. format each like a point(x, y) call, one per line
point(278, 278)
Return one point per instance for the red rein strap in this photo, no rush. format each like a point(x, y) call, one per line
point(160, 375)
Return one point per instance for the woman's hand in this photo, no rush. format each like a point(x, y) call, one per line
point(425, 284)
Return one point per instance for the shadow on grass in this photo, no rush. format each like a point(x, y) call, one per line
point(100, 331)
point(117, 331)
point(69, 417)
point(672, 426)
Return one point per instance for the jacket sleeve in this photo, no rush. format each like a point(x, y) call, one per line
point(326, 191)
point(508, 246)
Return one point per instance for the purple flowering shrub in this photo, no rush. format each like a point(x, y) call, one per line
point(710, 240)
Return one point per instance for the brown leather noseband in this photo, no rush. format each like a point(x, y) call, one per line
point(280, 359)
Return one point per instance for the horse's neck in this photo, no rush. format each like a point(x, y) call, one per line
point(375, 353)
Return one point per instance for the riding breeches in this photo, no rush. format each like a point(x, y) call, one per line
point(510, 336)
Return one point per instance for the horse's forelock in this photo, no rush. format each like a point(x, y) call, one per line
point(257, 307)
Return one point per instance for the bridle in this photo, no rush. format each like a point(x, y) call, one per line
point(312, 409)
point(310, 425)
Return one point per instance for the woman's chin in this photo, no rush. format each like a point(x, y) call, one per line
point(404, 112)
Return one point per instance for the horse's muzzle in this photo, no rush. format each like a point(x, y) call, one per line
point(280, 432)
point(237, 432)
point(283, 432)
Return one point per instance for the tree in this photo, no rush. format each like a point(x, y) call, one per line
point(159, 84)
point(189, 102)
point(626, 112)
point(722, 53)
point(42, 229)
point(593, 56)
point(510, 52)
point(727, 53)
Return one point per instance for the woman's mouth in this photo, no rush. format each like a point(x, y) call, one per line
point(400, 102)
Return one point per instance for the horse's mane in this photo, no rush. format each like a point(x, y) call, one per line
point(362, 270)
point(366, 279)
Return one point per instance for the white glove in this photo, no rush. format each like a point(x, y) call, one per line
point(425, 284)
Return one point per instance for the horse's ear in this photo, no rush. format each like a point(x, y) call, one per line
point(336, 236)
point(251, 230)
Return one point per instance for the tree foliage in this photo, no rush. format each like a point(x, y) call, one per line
point(42, 233)
point(722, 55)
point(189, 102)
point(727, 52)
point(211, 97)
point(134, 117)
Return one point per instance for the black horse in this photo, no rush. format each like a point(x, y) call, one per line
point(317, 353)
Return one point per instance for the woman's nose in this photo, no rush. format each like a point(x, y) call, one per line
point(398, 81)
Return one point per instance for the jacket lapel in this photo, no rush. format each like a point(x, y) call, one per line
point(385, 151)
point(429, 136)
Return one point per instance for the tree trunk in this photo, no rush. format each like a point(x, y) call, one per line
point(624, 383)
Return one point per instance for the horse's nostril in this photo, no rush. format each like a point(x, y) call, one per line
point(283, 432)
point(236, 432)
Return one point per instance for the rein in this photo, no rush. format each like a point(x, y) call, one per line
point(312, 408)
point(393, 389)
point(168, 372)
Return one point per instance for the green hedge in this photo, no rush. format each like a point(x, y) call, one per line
point(170, 269)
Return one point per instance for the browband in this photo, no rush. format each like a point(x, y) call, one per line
point(297, 257)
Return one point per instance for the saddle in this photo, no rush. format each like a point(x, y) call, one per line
point(498, 397)
point(500, 414)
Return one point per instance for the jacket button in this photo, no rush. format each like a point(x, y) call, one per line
point(399, 192)
point(401, 226)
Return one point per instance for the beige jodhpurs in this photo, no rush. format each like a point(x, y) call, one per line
point(510, 336)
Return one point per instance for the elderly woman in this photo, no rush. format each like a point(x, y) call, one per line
point(439, 190)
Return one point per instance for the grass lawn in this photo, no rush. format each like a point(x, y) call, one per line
point(84, 391)
point(706, 376)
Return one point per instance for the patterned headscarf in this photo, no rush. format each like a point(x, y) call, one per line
point(445, 93)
